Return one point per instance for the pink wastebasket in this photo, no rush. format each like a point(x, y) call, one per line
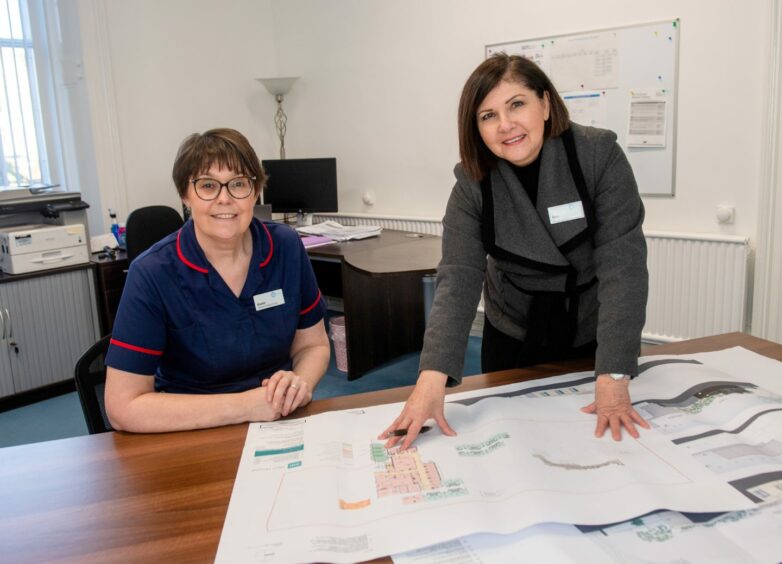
point(337, 330)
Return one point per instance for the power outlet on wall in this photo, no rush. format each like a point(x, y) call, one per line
point(726, 215)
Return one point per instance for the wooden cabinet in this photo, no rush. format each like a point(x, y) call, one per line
point(111, 274)
point(48, 320)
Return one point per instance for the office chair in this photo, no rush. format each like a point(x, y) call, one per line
point(148, 225)
point(90, 376)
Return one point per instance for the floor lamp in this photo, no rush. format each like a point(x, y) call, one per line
point(279, 87)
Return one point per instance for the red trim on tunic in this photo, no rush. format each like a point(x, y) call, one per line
point(184, 260)
point(135, 348)
point(271, 247)
point(310, 308)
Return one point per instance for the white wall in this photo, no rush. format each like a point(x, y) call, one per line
point(381, 80)
point(177, 67)
point(380, 86)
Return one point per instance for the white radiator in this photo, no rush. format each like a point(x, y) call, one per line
point(427, 226)
point(697, 283)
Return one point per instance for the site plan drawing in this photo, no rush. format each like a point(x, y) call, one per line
point(752, 536)
point(525, 464)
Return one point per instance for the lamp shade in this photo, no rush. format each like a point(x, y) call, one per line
point(278, 86)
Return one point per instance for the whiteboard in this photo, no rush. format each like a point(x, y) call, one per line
point(623, 79)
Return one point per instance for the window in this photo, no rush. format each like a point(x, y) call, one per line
point(22, 145)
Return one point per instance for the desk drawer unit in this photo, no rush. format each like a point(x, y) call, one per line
point(111, 275)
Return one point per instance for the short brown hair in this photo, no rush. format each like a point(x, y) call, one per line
point(476, 158)
point(226, 148)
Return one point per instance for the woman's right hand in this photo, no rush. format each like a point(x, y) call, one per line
point(259, 408)
point(426, 402)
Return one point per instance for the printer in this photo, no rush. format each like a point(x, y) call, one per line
point(41, 228)
point(30, 248)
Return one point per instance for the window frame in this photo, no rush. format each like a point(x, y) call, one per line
point(37, 117)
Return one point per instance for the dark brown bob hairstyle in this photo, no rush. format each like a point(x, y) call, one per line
point(226, 148)
point(477, 159)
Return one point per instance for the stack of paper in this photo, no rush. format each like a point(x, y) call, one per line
point(315, 241)
point(339, 232)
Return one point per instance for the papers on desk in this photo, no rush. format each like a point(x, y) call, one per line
point(324, 489)
point(666, 536)
point(314, 241)
point(339, 232)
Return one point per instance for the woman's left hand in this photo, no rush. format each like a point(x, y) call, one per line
point(286, 391)
point(614, 409)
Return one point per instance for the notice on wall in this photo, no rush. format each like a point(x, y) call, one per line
point(536, 51)
point(587, 107)
point(647, 123)
point(586, 62)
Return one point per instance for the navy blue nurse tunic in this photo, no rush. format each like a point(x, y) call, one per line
point(179, 321)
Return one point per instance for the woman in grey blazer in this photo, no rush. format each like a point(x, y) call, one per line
point(545, 218)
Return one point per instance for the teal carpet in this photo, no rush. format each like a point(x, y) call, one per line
point(56, 418)
point(402, 371)
point(61, 417)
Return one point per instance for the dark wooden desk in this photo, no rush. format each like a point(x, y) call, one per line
point(380, 282)
point(118, 497)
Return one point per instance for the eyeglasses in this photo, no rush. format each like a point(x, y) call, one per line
point(209, 188)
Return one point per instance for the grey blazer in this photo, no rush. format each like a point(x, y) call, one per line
point(612, 311)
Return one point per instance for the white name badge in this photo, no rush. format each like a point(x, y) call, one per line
point(566, 212)
point(268, 299)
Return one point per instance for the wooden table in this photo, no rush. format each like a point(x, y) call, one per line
point(119, 497)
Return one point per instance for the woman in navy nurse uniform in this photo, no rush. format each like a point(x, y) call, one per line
point(222, 321)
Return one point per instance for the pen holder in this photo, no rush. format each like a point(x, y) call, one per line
point(337, 331)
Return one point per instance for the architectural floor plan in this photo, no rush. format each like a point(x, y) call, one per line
point(324, 489)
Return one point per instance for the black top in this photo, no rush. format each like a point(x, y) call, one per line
point(528, 176)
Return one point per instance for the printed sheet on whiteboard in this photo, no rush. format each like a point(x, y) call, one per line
point(587, 107)
point(588, 62)
point(647, 123)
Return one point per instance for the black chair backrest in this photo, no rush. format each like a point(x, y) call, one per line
point(90, 376)
point(146, 226)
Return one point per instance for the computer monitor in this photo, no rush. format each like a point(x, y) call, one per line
point(301, 186)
